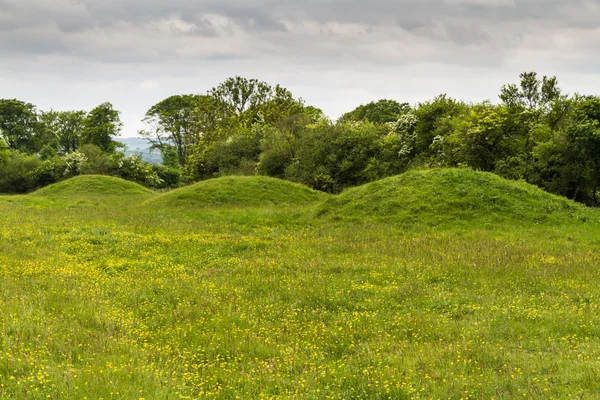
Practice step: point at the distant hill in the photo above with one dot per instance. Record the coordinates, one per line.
(141, 147)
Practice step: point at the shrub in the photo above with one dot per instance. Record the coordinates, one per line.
(170, 177)
(133, 168)
(97, 161)
(17, 173)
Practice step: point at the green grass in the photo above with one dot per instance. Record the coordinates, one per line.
(88, 191)
(294, 299)
(92, 185)
(455, 196)
(245, 191)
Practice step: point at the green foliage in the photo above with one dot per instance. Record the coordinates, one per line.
(227, 110)
(280, 142)
(100, 126)
(64, 129)
(175, 123)
(332, 157)
(51, 171)
(19, 125)
(239, 95)
(533, 93)
(238, 155)
(278, 149)
(430, 117)
(379, 112)
(401, 142)
(480, 138)
(568, 163)
(135, 169)
(18, 172)
(245, 101)
(97, 162)
(4, 151)
(511, 167)
(169, 177)
(248, 127)
(169, 156)
(60, 167)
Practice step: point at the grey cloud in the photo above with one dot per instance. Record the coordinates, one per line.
(354, 42)
(266, 15)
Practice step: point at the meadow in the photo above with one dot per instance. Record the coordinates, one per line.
(439, 284)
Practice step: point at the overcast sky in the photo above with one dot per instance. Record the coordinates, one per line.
(335, 54)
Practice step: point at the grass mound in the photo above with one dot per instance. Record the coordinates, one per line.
(238, 191)
(92, 185)
(436, 196)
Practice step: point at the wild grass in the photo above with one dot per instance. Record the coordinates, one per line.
(238, 191)
(107, 298)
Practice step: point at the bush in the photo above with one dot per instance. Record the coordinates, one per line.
(97, 161)
(333, 157)
(135, 169)
(277, 154)
(17, 173)
(170, 177)
(238, 155)
(51, 171)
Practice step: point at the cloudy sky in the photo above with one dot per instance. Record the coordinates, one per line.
(335, 54)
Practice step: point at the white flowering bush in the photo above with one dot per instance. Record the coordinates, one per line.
(135, 169)
(73, 163)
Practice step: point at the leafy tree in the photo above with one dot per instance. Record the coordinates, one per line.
(175, 123)
(485, 139)
(280, 106)
(100, 126)
(379, 112)
(19, 125)
(239, 95)
(65, 128)
(4, 151)
(242, 102)
(533, 93)
(170, 157)
(402, 139)
(238, 155)
(231, 108)
(429, 118)
(280, 142)
(332, 157)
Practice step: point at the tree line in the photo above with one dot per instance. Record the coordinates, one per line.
(247, 127)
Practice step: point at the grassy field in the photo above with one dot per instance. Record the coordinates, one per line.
(443, 284)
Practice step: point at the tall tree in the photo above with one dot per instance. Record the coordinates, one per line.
(100, 126)
(379, 112)
(65, 127)
(243, 102)
(19, 125)
(176, 122)
(533, 93)
(238, 95)
(430, 116)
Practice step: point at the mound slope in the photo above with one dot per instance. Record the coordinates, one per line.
(238, 191)
(437, 196)
(95, 185)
